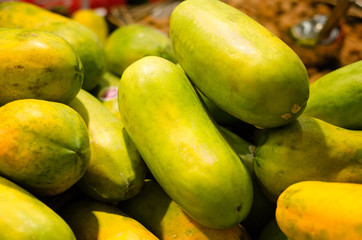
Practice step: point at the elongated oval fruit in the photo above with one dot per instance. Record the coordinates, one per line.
(181, 145)
(238, 64)
(23, 216)
(321, 210)
(85, 43)
(116, 171)
(38, 64)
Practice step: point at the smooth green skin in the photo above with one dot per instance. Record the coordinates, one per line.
(132, 42)
(44, 145)
(24, 217)
(181, 145)
(337, 96)
(37, 64)
(307, 149)
(272, 232)
(262, 209)
(85, 43)
(116, 171)
(238, 64)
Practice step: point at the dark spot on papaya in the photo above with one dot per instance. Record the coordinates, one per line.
(49, 69)
(238, 209)
(19, 67)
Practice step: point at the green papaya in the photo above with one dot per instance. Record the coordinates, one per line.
(37, 64)
(238, 64)
(337, 96)
(90, 219)
(132, 42)
(307, 149)
(23, 216)
(85, 43)
(181, 145)
(272, 232)
(116, 171)
(161, 215)
(44, 145)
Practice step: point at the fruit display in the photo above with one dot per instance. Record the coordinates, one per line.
(210, 131)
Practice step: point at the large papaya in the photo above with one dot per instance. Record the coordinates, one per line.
(181, 145)
(116, 171)
(321, 210)
(337, 96)
(85, 43)
(23, 216)
(44, 145)
(238, 64)
(37, 64)
(161, 215)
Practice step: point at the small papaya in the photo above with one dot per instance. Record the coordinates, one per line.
(272, 232)
(90, 219)
(23, 216)
(161, 215)
(44, 145)
(116, 170)
(85, 43)
(321, 210)
(38, 64)
(238, 64)
(337, 96)
(181, 145)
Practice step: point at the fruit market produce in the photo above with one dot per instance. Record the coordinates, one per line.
(181, 145)
(307, 149)
(23, 216)
(132, 42)
(90, 219)
(85, 43)
(37, 64)
(321, 210)
(337, 96)
(238, 64)
(161, 215)
(95, 22)
(116, 171)
(44, 145)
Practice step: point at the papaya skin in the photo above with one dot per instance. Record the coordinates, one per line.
(307, 149)
(90, 219)
(37, 64)
(23, 216)
(336, 97)
(161, 215)
(321, 210)
(84, 41)
(181, 145)
(44, 145)
(116, 171)
(238, 64)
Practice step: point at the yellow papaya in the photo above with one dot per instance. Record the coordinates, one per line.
(238, 64)
(37, 64)
(85, 43)
(181, 145)
(321, 210)
(44, 145)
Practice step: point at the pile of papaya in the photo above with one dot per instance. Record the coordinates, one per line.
(210, 132)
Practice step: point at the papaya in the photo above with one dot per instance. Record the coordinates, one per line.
(238, 64)
(181, 145)
(91, 219)
(95, 22)
(23, 216)
(37, 64)
(153, 208)
(85, 43)
(307, 149)
(272, 232)
(321, 210)
(44, 145)
(131, 42)
(337, 96)
(116, 171)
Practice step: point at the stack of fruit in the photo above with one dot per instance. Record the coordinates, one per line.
(210, 132)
